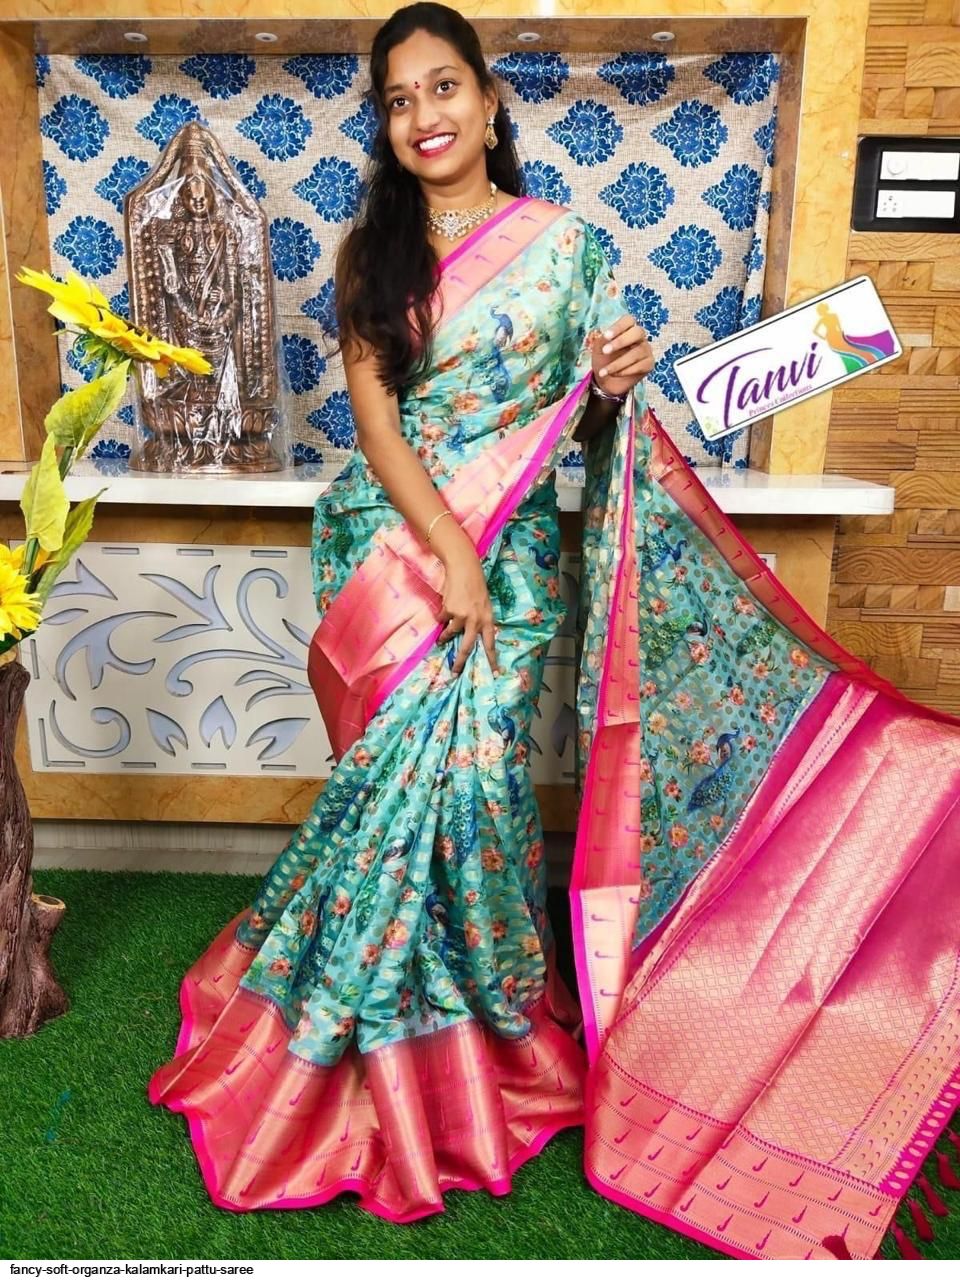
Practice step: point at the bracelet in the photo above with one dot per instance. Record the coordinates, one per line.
(434, 521)
(605, 395)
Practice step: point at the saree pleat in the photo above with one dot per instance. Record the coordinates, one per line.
(461, 1109)
(387, 1018)
(765, 883)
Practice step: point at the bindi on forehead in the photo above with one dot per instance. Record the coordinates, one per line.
(434, 71)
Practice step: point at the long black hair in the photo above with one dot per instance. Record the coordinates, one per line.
(385, 264)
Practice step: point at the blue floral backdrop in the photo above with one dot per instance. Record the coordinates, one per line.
(670, 159)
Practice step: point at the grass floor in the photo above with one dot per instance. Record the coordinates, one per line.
(93, 1171)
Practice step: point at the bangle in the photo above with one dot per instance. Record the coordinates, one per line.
(605, 395)
(434, 521)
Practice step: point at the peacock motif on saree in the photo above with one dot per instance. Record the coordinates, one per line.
(758, 641)
(657, 549)
(667, 637)
(716, 786)
(337, 534)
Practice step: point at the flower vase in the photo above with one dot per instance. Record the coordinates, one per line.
(29, 992)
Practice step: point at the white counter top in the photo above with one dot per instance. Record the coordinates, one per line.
(738, 492)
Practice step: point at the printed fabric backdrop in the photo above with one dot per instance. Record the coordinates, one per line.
(670, 159)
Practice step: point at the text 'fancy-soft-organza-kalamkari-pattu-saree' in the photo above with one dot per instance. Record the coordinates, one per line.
(766, 886)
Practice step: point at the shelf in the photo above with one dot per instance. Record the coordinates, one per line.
(735, 492)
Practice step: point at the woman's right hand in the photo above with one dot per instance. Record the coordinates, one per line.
(467, 608)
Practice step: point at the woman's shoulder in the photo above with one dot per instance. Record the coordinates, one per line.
(563, 215)
(564, 223)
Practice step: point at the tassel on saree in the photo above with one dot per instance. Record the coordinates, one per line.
(906, 1246)
(945, 1170)
(936, 1205)
(920, 1221)
(933, 1200)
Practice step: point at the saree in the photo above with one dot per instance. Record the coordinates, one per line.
(762, 895)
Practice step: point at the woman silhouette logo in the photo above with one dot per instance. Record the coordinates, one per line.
(855, 351)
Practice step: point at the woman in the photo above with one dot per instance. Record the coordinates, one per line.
(387, 1018)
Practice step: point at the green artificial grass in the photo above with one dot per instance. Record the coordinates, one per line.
(92, 1170)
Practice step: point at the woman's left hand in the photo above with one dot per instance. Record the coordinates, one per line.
(621, 356)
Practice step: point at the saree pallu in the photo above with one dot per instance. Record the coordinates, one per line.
(763, 892)
(774, 1040)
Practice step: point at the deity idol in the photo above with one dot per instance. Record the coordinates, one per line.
(199, 263)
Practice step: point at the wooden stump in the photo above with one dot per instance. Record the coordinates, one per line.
(29, 992)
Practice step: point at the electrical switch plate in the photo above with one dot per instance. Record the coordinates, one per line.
(919, 166)
(907, 184)
(903, 202)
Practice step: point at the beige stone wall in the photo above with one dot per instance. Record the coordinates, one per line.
(895, 590)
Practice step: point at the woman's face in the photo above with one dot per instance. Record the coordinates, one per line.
(429, 91)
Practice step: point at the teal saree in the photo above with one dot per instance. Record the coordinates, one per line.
(386, 1017)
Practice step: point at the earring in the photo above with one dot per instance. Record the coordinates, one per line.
(490, 137)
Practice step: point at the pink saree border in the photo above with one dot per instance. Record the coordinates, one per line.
(899, 1180)
(684, 1226)
(476, 236)
(589, 800)
(364, 1187)
(656, 1215)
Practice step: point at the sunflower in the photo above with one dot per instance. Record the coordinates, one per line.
(77, 302)
(19, 608)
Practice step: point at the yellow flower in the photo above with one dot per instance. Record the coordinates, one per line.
(19, 608)
(75, 302)
(82, 304)
(189, 358)
(132, 342)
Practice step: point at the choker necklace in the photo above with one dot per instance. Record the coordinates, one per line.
(454, 223)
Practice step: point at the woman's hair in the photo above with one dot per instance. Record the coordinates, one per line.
(385, 264)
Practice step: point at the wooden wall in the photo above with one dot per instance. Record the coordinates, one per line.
(895, 586)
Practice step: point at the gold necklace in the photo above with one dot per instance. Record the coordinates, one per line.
(454, 223)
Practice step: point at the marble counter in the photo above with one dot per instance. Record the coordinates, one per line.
(748, 492)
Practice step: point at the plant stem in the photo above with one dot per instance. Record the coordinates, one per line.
(28, 558)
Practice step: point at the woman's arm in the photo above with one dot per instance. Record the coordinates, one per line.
(466, 606)
(393, 460)
(597, 416)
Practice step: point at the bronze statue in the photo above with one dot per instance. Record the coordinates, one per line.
(198, 257)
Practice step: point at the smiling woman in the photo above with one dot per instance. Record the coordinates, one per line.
(432, 112)
(400, 953)
(768, 1006)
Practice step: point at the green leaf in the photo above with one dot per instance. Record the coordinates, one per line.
(44, 500)
(9, 641)
(79, 414)
(78, 525)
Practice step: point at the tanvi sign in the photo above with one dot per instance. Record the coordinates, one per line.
(804, 350)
